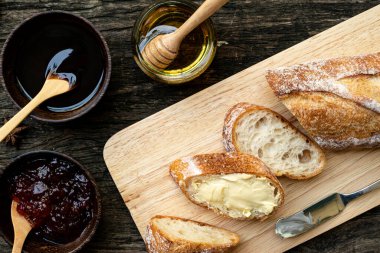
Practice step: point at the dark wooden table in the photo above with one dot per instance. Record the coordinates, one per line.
(254, 31)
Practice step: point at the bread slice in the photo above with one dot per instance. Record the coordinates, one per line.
(238, 186)
(263, 133)
(337, 101)
(173, 234)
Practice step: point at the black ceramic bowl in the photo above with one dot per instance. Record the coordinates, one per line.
(24, 40)
(34, 246)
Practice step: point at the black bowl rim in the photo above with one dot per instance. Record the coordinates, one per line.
(107, 57)
(98, 214)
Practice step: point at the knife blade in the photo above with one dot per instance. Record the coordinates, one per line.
(319, 212)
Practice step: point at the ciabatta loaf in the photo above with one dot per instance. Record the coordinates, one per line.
(239, 186)
(166, 234)
(263, 133)
(337, 101)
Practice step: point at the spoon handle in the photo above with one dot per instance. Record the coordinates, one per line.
(19, 117)
(206, 10)
(51, 88)
(21, 229)
(18, 243)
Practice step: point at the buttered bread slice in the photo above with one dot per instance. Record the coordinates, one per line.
(263, 133)
(173, 234)
(238, 186)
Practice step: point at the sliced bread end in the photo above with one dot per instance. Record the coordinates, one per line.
(174, 234)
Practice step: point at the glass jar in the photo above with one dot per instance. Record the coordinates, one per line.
(196, 52)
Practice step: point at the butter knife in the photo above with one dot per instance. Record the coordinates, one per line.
(318, 212)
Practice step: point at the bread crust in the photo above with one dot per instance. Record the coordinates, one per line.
(157, 241)
(182, 170)
(239, 111)
(345, 124)
(329, 79)
(232, 115)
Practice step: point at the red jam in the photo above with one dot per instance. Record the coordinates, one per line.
(55, 196)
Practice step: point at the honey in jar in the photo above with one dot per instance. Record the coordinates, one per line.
(196, 51)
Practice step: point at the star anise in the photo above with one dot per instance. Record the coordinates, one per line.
(13, 137)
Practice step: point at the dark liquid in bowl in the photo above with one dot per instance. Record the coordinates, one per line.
(85, 62)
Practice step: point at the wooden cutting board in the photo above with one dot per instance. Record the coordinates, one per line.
(138, 156)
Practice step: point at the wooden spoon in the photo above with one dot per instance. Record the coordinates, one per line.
(52, 87)
(163, 49)
(21, 227)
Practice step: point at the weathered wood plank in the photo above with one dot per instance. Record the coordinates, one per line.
(254, 31)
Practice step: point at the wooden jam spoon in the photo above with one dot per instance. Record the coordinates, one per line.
(163, 49)
(57, 85)
(21, 227)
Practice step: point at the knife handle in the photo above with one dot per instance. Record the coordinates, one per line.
(349, 197)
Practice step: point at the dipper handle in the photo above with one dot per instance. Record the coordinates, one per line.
(207, 9)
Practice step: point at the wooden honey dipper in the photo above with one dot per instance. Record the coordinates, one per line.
(163, 49)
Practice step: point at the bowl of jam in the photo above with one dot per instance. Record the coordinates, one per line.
(39, 44)
(196, 52)
(57, 195)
